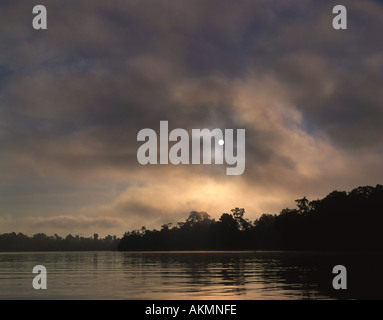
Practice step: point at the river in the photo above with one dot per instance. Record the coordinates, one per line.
(188, 275)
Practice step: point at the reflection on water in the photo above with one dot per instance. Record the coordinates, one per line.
(189, 275)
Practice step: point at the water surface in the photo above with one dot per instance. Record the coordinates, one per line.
(181, 275)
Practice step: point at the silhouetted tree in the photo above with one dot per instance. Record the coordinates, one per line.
(339, 221)
(303, 206)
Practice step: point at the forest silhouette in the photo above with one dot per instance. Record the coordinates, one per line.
(42, 242)
(340, 221)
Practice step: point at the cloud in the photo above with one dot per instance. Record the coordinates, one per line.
(73, 98)
(69, 222)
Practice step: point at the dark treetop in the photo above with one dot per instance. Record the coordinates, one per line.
(339, 222)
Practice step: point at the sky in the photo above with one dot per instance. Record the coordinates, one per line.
(73, 98)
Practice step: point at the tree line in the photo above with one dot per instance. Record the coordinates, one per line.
(341, 221)
(42, 242)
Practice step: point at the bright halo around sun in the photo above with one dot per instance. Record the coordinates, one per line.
(221, 142)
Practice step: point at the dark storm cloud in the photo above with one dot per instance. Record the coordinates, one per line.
(174, 41)
(73, 97)
(334, 77)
